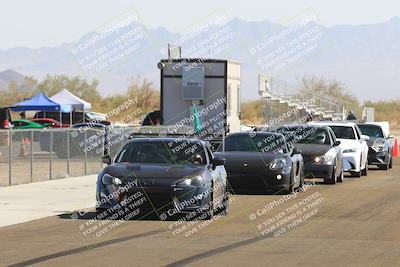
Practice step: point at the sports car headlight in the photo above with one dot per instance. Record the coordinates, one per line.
(109, 180)
(278, 163)
(351, 150)
(325, 159)
(194, 181)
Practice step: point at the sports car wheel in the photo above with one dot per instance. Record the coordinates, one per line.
(391, 162)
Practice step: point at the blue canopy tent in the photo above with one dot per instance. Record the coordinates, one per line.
(38, 102)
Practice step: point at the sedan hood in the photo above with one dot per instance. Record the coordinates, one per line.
(313, 149)
(166, 173)
(372, 140)
(348, 143)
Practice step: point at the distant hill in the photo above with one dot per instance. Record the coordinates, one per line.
(8, 76)
(366, 58)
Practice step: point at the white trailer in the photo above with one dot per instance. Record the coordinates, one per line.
(209, 88)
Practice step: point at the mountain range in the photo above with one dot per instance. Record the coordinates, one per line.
(365, 58)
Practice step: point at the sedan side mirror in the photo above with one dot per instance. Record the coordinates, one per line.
(364, 137)
(337, 143)
(218, 162)
(106, 159)
(296, 151)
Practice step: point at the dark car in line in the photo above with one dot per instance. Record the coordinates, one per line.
(323, 157)
(261, 162)
(380, 146)
(176, 176)
(5, 118)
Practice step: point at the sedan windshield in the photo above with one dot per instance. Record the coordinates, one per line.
(256, 142)
(343, 132)
(371, 130)
(306, 135)
(163, 152)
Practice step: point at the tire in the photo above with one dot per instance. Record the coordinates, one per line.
(341, 177)
(210, 212)
(290, 187)
(332, 179)
(301, 179)
(391, 162)
(364, 172)
(356, 174)
(385, 166)
(225, 204)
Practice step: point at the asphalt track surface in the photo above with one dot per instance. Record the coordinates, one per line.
(356, 223)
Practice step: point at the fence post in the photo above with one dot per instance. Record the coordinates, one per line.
(10, 157)
(85, 140)
(51, 155)
(68, 152)
(32, 155)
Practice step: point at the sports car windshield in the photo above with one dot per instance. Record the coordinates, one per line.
(163, 152)
(306, 135)
(343, 132)
(371, 130)
(256, 142)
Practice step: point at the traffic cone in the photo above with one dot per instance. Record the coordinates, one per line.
(22, 152)
(395, 148)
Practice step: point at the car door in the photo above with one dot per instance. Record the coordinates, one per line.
(297, 160)
(364, 146)
(339, 154)
(219, 176)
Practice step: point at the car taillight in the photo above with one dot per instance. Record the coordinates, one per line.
(6, 124)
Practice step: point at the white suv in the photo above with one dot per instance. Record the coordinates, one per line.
(354, 146)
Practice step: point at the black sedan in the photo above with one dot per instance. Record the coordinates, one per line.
(176, 176)
(261, 161)
(322, 154)
(380, 146)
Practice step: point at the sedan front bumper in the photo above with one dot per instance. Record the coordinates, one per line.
(351, 162)
(155, 198)
(318, 170)
(377, 158)
(255, 181)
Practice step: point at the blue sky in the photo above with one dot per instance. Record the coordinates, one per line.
(52, 22)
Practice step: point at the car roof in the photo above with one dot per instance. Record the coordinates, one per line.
(255, 133)
(325, 127)
(338, 123)
(166, 139)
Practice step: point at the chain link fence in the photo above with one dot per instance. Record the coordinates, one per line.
(35, 155)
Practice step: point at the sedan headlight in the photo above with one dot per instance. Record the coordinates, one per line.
(194, 181)
(378, 145)
(325, 159)
(278, 163)
(351, 150)
(109, 180)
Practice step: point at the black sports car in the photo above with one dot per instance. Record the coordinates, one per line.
(380, 146)
(261, 161)
(322, 154)
(175, 176)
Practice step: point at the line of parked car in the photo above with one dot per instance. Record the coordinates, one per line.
(176, 171)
